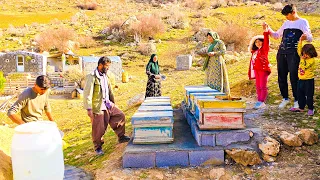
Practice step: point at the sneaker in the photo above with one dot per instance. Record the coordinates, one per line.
(310, 112)
(293, 109)
(296, 104)
(284, 103)
(99, 152)
(123, 139)
(259, 105)
(256, 106)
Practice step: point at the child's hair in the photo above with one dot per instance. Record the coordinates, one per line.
(309, 50)
(288, 9)
(254, 47)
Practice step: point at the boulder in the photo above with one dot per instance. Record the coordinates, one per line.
(290, 139)
(268, 158)
(308, 136)
(270, 146)
(244, 157)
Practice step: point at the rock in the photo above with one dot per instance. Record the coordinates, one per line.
(259, 16)
(220, 174)
(131, 44)
(251, 134)
(147, 48)
(268, 158)
(130, 21)
(183, 62)
(270, 146)
(201, 35)
(116, 178)
(308, 136)
(110, 37)
(290, 139)
(5, 166)
(244, 157)
(199, 45)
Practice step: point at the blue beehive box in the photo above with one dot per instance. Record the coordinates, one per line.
(158, 97)
(196, 89)
(152, 127)
(155, 108)
(156, 103)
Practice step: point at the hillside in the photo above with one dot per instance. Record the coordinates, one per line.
(21, 21)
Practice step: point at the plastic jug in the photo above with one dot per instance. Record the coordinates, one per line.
(125, 77)
(37, 152)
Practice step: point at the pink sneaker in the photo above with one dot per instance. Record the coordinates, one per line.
(293, 109)
(310, 112)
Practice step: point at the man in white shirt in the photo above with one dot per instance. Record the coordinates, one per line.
(287, 56)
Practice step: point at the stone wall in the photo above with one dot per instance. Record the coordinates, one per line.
(34, 63)
(90, 63)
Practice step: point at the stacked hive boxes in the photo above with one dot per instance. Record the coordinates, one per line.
(211, 113)
(153, 122)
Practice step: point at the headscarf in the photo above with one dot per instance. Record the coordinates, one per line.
(153, 67)
(216, 39)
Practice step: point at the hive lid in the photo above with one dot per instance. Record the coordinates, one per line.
(35, 127)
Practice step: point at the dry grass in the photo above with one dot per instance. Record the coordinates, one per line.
(147, 26)
(56, 38)
(232, 33)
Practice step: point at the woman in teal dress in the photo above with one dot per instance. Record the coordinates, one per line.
(214, 65)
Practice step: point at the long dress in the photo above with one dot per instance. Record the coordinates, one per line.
(216, 73)
(153, 86)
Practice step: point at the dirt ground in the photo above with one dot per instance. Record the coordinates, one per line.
(300, 163)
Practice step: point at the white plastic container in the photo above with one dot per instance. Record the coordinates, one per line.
(37, 152)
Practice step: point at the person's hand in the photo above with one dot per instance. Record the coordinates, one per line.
(157, 76)
(265, 26)
(211, 54)
(90, 114)
(303, 37)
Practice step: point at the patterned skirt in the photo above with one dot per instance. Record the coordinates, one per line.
(153, 88)
(216, 75)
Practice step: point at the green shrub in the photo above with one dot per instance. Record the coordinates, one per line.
(2, 81)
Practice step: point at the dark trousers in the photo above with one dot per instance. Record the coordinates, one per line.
(114, 117)
(305, 93)
(288, 63)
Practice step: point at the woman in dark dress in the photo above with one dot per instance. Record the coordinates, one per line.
(154, 77)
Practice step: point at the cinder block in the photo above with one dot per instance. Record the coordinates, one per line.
(208, 140)
(195, 132)
(172, 158)
(135, 160)
(233, 136)
(214, 157)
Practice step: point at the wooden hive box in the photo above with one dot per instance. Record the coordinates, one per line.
(220, 114)
(152, 127)
(196, 89)
(192, 101)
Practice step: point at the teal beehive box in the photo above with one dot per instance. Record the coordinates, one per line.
(152, 127)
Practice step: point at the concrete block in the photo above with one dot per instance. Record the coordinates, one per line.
(210, 157)
(208, 140)
(135, 160)
(233, 136)
(184, 62)
(195, 132)
(172, 158)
